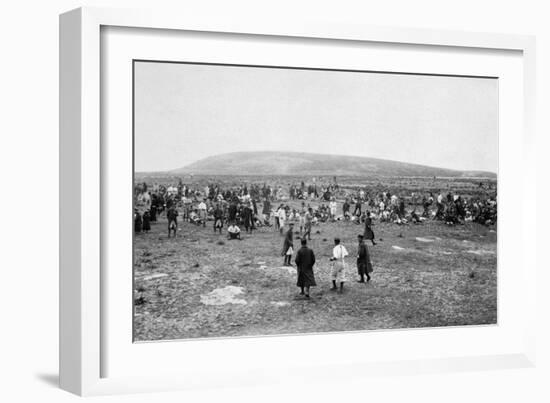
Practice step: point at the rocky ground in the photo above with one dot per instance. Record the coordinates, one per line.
(202, 285)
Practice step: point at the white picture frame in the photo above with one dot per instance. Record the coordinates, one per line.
(83, 306)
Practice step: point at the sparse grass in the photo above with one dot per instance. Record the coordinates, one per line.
(426, 284)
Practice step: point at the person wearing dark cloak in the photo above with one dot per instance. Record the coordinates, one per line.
(146, 222)
(401, 208)
(364, 265)
(288, 245)
(247, 218)
(218, 218)
(369, 233)
(153, 213)
(345, 209)
(137, 221)
(460, 210)
(232, 212)
(172, 215)
(305, 259)
(154, 207)
(169, 202)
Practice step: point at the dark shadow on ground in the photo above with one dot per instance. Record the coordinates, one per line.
(49, 379)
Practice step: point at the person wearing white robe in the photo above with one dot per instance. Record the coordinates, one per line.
(281, 213)
(332, 206)
(338, 272)
(202, 212)
(381, 207)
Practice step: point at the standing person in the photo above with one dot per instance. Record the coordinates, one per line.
(288, 245)
(146, 221)
(277, 223)
(153, 212)
(308, 217)
(369, 233)
(202, 212)
(305, 259)
(440, 207)
(172, 215)
(332, 206)
(345, 209)
(186, 208)
(281, 213)
(401, 208)
(247, 218)
(232, 212)
(302, 221)
(254, 208)
(381, 207)
(358, 205)
(218, 218)
(137, 221)
(338, 274)
(253, 214)
(364, 265)
(266, 210)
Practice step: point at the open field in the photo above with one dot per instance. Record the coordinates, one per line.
(425, 275)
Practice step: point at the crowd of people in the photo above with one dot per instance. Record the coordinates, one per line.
(248, 207)
(251, 206)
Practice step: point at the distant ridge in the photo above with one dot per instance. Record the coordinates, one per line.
(296, 163)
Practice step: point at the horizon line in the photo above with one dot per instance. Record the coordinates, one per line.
(319, 154)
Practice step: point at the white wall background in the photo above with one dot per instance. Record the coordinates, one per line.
(29, 202)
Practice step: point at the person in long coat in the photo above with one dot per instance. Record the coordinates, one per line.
(288, 245)
(137, 221)
(247, 218)
(218, 218)
(172, 215)
(364, 265)
(305, 259)
(232, 211)
(146, 222)
(369, 233)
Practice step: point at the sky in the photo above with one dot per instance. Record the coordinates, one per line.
(186, 112)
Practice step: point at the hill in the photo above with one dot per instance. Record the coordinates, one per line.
(295, 163)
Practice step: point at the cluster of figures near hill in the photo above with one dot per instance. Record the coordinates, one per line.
(238, 206)
(252, 206)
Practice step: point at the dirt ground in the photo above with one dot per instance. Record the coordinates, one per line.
(202, 285)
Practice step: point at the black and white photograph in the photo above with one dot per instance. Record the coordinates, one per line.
(273, 200)
(304, 201)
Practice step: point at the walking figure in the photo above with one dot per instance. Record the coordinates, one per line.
(364, 265)
(288, 246)
(338, 272)
(305, 259)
